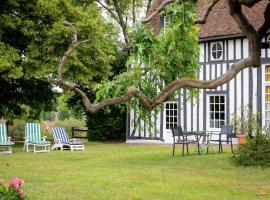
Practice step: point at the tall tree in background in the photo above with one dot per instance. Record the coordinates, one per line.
(125, 12)
(33, 36)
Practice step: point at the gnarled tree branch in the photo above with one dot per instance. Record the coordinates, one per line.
(252, 61)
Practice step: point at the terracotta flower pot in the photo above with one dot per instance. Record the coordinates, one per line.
(241, 139)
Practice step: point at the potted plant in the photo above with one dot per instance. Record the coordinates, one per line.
(246, 124)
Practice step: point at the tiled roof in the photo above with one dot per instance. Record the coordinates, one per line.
(219, 21)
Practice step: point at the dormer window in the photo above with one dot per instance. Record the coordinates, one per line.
(216, 51)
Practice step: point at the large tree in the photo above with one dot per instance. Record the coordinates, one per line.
(148, 42)
(34, 35)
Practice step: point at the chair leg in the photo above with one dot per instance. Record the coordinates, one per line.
(173, 148)
(187, 149)
(231, 146)
(183, 149)
(221, 147)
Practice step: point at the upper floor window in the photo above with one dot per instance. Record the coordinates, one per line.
(216, 51)
(267, 73)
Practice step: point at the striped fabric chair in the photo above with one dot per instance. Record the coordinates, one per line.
(63, 142)
(5, 140)
(33, 137)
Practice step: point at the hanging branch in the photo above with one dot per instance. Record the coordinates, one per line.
(252, 61)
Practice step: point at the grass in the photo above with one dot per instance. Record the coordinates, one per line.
(125, 172)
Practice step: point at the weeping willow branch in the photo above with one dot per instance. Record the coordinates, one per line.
(252, 61)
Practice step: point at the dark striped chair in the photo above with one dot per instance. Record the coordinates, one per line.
(62, 140)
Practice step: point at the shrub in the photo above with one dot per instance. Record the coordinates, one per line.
(11, 190)
(255, 152)
(16, 130)
(105, 125)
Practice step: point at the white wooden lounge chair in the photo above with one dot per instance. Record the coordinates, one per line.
(63, 142)
(33, 138)
(5, 140)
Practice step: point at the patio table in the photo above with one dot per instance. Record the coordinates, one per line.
(198, 135)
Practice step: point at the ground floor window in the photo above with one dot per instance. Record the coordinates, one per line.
(267, 95)
(216, 111)
(267, 106)
(171, 110)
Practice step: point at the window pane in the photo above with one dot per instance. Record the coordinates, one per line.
(212, 124)
(171, 106)
(222, 116)
(267, 89)
(218, 47)
(216, 115)
(222, 99)
(211, 115)
(267, 97)
(175, 105)
(167, 106)
(222, 123)
(216, 99)
(267, 106)
(267, 77)
(222, 107)
(216, 107)
(211, 99)
(219, 53)
(212, 107)
(171, 112)
(267, 69)
(216, 124)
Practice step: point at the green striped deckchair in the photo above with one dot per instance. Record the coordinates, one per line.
(33, 137)
(5, 140)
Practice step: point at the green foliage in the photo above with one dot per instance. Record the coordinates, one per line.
(166, 57)
(106, 125)
(255, 152)
(25, 98)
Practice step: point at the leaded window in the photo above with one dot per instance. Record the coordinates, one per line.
(216, 51)
(171, 114)
(216, 111)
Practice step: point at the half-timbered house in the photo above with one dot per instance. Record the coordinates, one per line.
(221, 44)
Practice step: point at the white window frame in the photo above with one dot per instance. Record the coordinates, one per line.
(208, 111)
(222, 51)
(171, 116)
(266, 83)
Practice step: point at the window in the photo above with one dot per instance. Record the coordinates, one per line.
(171, 115)
(267, 95)
(216, 51)
(167, 19)
(216, 111)
(267, 105)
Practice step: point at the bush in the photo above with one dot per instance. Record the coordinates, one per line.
(255, 152)
(11, 190)
(16, 130)
(104, 125)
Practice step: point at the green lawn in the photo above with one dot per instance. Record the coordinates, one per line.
(120, 171)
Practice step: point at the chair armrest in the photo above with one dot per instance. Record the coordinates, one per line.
(44, 138)
(9, 139)
(25, 138)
